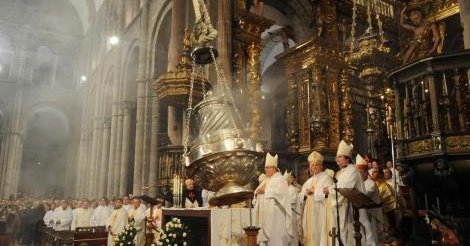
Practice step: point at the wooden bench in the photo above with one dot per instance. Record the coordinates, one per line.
(90, 236)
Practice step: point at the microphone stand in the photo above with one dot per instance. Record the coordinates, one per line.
(337, 233)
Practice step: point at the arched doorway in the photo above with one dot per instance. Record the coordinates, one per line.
(44, 159)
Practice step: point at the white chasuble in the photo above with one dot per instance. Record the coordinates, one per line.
(295, 204)
(101, 215)
(138, 215)
(349, 177)
(275, 213)
(116, 224)
(317, 217)
(82, 218)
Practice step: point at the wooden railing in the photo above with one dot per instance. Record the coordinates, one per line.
(433, 106)
(169, 163)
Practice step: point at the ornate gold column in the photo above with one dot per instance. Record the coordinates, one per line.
(247, 55)
(254, 89)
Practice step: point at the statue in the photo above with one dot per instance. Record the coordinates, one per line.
(426, 37)
(203, 31)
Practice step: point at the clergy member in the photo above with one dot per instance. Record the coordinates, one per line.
(274, 215)
(375, 230)
(63, 217)
(387, 196)
(347, 177)
(295, 204)
(192, 197)
(137, 215)
(154, 218)
(116, 222)
(101, 213)
(82, 216)
(316, 219)
(49, 216)
(126, 203)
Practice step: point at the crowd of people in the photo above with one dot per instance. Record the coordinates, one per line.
(25, 218)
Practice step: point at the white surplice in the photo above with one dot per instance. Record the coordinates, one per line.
(49, 218)
(101, 215)
(62, 219)
(349, 177)
(115, 224)
(275, 212)
(82, 218)
(295, 204)
(316, 219)
(139, 221)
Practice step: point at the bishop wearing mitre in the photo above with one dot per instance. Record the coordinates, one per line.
(316, 219)
(116, 222)
(273, 211)
(347, 177)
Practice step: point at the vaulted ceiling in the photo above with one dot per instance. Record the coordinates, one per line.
(86, 9)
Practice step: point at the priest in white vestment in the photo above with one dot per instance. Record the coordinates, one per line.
(101, 213)
(347, 177)
(116, 222)
(274, 214)
(375, 215)
(126, 203)
(49, 216)
(137, 214)
(317, 217)
(295, 204)
(63, 217)
(154, 218)
(82, 216)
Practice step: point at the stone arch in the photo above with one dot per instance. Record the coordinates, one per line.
(43, 66)
(164, 13)
(6, 56)
(44, 157)
(131, 67)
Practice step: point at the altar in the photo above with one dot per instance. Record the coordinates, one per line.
(216, 227)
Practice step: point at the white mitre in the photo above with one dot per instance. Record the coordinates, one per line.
(315, 158)
(344, 149)
(287, 175)
(271, 161)
(360, 160)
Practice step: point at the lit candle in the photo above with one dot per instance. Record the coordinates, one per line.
(426, 201)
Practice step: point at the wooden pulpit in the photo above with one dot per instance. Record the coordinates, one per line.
(358, 201)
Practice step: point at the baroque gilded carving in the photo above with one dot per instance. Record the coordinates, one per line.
(458, 143)
(419, 147)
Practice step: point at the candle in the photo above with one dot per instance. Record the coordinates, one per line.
(438, 206)
(426, 201)
(251, 223)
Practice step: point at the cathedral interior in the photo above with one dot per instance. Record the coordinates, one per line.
(94, 93)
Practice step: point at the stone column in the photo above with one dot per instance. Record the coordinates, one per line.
(177, 32)
(224, 37)
(141, 97)
(147, 135)
(118, 153)
(465, 19)
(94, 147)
(14, 136)
(81, 153)
(112, 152)
(153, 149)
(254, 89)
(127, 119)
(103, 172)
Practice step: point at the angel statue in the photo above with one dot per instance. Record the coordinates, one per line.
(203, 31)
